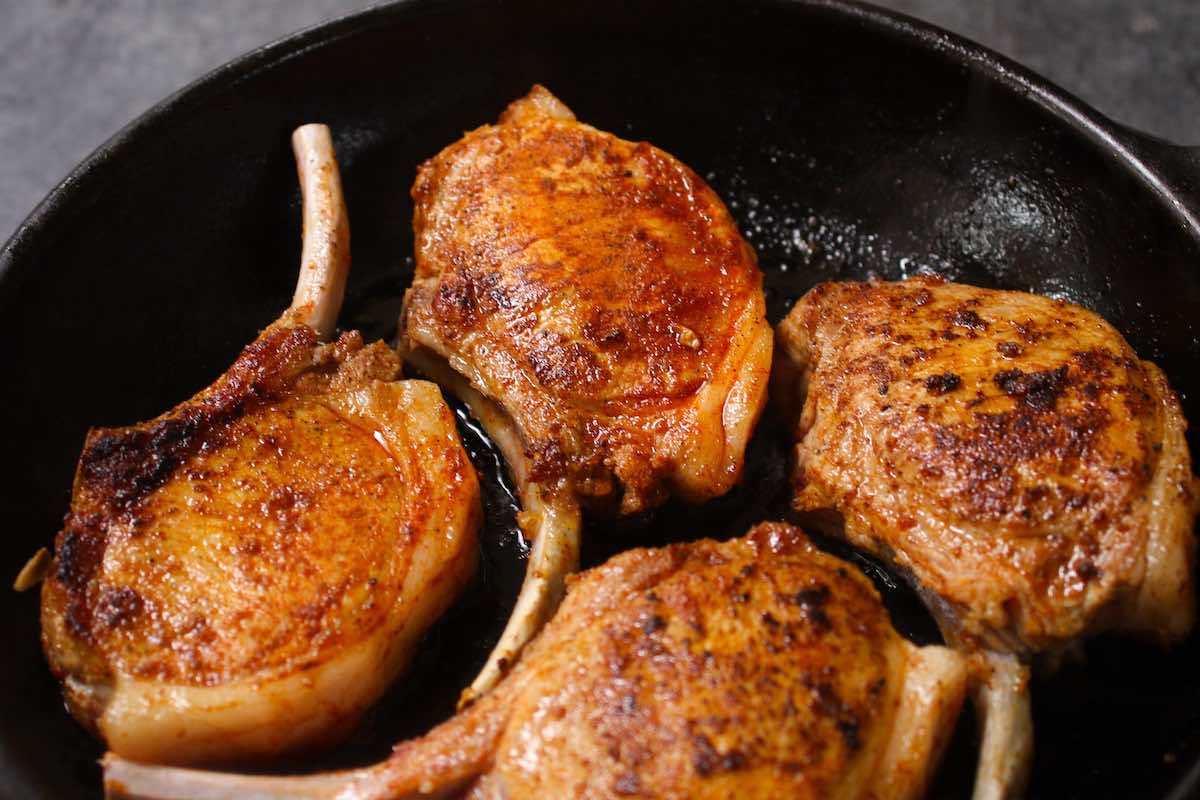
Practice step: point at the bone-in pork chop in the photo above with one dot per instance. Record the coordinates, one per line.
(245, 574)
(592, 301)
(1011, 454)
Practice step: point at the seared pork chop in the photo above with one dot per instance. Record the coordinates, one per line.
(245, 574)
(1011, 454)
(593, 302)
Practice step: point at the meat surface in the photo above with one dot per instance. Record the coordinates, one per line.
(593, 302)
(598, 291)
(755, 668)
(1010, 453)
(245, 574)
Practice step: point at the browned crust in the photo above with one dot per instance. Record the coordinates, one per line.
(757, 668)
(119, 466)
(592, 286)
(1013, 441)
(790, 645)
(120, 470)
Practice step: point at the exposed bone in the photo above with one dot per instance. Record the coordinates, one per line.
(318, 702)
(437, 765)
(319, 294)
(551, 520)
(128, 780)
(325, 256)
(1002, 703)
(1000, 694)
(935, 683)
(1006, 721)
(324, 262)
(34, 571)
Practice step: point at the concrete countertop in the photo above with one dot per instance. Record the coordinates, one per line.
(72, 72)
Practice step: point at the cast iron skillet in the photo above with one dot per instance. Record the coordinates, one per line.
(848, 141)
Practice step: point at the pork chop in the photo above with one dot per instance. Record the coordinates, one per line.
(245, 574)
(592, 301)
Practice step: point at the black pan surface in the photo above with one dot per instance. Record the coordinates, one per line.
(847, 141)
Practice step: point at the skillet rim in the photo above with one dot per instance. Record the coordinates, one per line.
(1134, 149)
(1168, 171)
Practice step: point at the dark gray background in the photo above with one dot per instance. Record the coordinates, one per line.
(72, 72)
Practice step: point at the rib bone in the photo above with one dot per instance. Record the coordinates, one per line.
(1006, 751)
(550, 519)
(325, 257)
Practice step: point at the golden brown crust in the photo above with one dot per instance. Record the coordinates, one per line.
(191, 537)
(758, 668)
(592, 286)
(755, 668)
(999, 445)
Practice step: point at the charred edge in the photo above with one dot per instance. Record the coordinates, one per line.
(708, 760)
(80, 545)
(1037, 390)
(966, 318)
(812, 603)
(118, 468)
(124, 465)
(80, 550)
(942, 384)
(828, 704)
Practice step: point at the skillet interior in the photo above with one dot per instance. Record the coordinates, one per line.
(844, 146)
